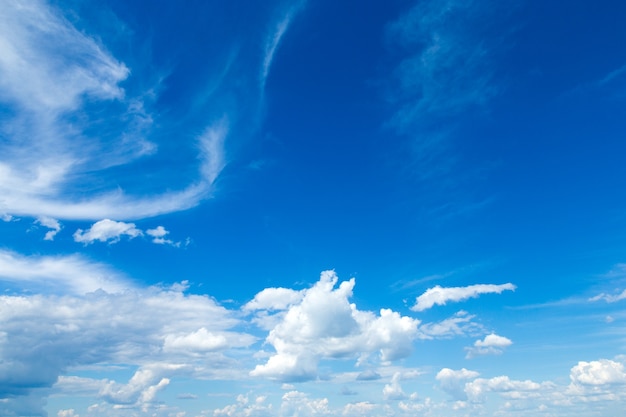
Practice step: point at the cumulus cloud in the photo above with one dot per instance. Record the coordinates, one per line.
(492, 344)
(600, 372)
(453, 382)
(441, 295)
(324, 324)
(296, 403)
(393, 391)
(477, 389)
(245, 407)
(107, 230)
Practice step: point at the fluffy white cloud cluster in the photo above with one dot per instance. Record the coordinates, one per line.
(492, 344)
(111, 231)
(440, 296)
(321, 323)
(601, 372)
(106, 230)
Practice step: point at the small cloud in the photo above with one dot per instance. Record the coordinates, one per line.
(107, 230)
(347, 391)
(288, 387)
(440, 296)
(6, 217)
(609, 319)
(50, 223)
(609, 298)
(368, 375)
(491, 345)
(393, 390)
(158, 236)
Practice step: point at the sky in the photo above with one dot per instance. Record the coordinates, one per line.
(312, 208)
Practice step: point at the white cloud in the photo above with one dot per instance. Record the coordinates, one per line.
(296, 403)
(601, 372)
(477, 389)
(274, 299)
(162, 330)
(362, 408)
(441, 295)
(158, 236)
(492, 344)
(609, 298)
(73, 273)
(453, 382)
(393, 390)
(324, 324)
(49, 72)
(274, 40)
(459, 324)
(52, 224)
(67, 413)
(107, 230)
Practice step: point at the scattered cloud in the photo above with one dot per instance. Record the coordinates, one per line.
(492, 344)
(609, 298)
(158, 236)
(52, 224)
(107, 230)
(441, 295)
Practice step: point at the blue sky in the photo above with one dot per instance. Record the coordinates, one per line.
(298, 208)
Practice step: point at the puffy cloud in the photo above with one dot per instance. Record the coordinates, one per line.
(478, 388)
(453, 382)
(158, 236)
(362, 408)
(274, 299)
(50, 223)
(296, 403)
(492, 344)
(393, 390)
(74, 273)
(440, 296)
(246, 408)
(106, 230)
(324, 324)
(600, 372)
